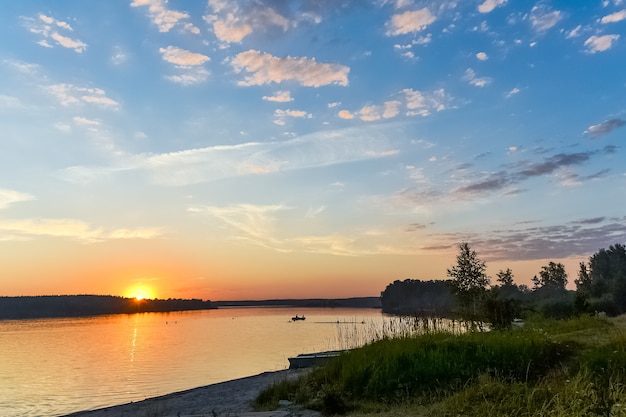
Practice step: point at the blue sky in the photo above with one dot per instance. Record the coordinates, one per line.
(212, 148)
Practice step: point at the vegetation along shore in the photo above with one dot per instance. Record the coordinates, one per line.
(566, 358)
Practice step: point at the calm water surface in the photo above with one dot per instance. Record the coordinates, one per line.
(51, 367)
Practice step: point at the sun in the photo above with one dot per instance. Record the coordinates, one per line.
(141, 292)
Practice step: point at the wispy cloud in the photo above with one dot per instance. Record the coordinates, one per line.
(166, 19)
(73, 229)
(253, 223)
(525, 170)
(410, 102)
(9, 197)
(543, 18)
(217, 162)
(471, 77)
(556, 241)
(49, 28)
(280, 115)
(409, 22)
(264, 68)
(600, 43)
(512, 92)
(604, 128)
(10, 102)
(68, 94)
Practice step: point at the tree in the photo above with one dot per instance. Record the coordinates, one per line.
(583, 282)
(469, 280)
(505, 278)
(552, 278)
(607, 279)
(413, 296)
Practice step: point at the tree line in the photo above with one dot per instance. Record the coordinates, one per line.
(90, 305)
(469, 293)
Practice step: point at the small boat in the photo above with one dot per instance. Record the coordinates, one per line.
(307, 360)
(296, 318)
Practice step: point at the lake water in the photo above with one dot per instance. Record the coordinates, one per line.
(51, 367)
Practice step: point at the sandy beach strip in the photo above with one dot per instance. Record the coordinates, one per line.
(230, 398)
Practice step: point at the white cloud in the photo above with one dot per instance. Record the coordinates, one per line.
(345, 114)
(79, 120)
(22, 67)
(281, 115)
(265, 69)
(182, 57)
(423, 103)
(574, 32)
(69, 43)
(68, 94)
(488, 5)
(391, 109)
(47, 26)
(189, 75)
(334, 104)
(470, 77)
(73, 229)
(164, 18)
(614, 17)
(482, 56)
(422, 40)
(233, 21)
(600, 43)
(187, 63)
(409, 22)
(119, 56)
(542, 18)
(9, 197)
(513, 91)
(230, 30)
(388, 110)
(63, 127)
(279, 97)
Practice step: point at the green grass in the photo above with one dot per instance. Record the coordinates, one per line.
(573, 367)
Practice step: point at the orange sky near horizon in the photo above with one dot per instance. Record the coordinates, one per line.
(170, 271)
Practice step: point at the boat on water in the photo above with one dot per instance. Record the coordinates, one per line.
(296, 318)
(307, 360)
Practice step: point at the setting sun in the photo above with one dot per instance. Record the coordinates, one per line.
(141, 292)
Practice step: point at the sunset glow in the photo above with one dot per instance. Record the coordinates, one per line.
(141, 293)
(258, 149)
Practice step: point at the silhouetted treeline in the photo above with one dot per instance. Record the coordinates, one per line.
(354, 302)
(90, 305)
(413, 296)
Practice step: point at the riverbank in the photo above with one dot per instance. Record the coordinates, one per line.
(230, 398)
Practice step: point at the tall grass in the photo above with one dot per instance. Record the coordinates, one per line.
(548, 368)
(356, 334)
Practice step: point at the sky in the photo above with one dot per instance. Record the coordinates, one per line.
(256, 149)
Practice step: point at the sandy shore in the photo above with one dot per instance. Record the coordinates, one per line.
(230, 398)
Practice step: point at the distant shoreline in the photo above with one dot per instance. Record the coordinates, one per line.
(64, 306)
